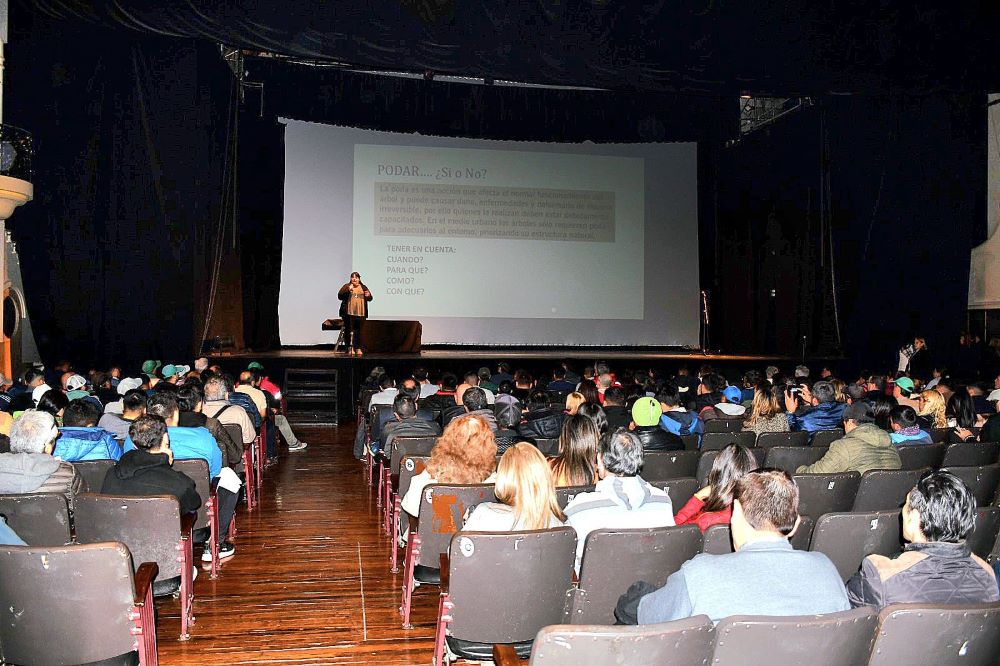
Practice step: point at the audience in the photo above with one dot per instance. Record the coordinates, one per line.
(526, 496)
(576, 464)
(614, 408)
(932, 411)
(729, 407)
(765, 576)
(540, 421)
(621, 499)
(864, 446)
(936, 566)
(713, 504)
(508, 418)
(30, 467)
(595, 413)
(675, 418)
(190, 400)
(217, 406)
(406, 423)
(133, 406)
(573, 402)
(473, 402)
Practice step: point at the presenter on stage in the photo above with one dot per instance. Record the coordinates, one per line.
(354, 297)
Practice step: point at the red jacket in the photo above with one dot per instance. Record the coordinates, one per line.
(692, 514)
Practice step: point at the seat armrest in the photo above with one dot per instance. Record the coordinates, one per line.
(445, 564)
(412, 524)
(505, 655)
(144, 577)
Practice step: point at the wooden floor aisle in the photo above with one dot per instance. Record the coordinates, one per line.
(310, 581)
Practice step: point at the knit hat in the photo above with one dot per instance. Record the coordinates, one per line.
(646, 412)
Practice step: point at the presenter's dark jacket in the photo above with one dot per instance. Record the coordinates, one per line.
(345, 295)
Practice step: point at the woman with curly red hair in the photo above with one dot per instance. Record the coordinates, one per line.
(465, 453)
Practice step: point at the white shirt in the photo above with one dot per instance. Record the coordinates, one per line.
(497, 517)
(427, 390)
(620, 502)
(384, 397)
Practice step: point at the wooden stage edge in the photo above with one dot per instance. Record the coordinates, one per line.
(326, 352)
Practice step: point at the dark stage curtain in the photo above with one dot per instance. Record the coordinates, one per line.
(685, 45)
(906, 197)
(130, 137)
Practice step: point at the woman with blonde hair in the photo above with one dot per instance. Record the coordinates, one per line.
(932, 412)
(838, 390)
(465, 453)
(766, 413)
(576, 464)
(525, 492)
(573, 402)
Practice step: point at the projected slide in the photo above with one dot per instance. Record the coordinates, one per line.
(491, 242)
(423, 215)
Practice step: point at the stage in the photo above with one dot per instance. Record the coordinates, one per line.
(350, 371)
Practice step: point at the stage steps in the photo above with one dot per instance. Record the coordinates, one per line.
(311, 396)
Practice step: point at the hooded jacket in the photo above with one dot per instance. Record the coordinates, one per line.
(543, 423)
(142, 473)
(864, 448)
(38, 473)
(681, 423)
(76, 444)
(824, 416)
(723, 410)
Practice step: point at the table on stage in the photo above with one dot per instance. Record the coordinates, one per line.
(385, 336)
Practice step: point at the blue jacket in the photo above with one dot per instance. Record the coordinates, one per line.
(681, 423)
(899, 439)
(76, 444)
(191, 443)
(824, 416)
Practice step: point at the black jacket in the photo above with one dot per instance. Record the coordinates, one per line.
(655, 438)
(141, 473)
(618, 417)
(541, 423)
(344, 294)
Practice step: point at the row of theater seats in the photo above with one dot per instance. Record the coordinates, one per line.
(846, 516)
(130, 548)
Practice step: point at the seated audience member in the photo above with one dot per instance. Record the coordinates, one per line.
(905, 430)
(573, 402)
(508, 418)
(405, 423)
(540, 421)
(272, 406)
(588, 389)
(53, 402)
(645, 424)
(190, 400)
(387, 391)
(765, 576)
(882, 407)
(980, 405)
(174, 374)
(766, 413)
(444, 397)
(864, 446)
(991, 429)
(576, 464)
(905, 392)
(410, 387)
(194, 443)
(559, 382)
(473, 402)
(505, 394)
(218, 407)
(465, 453)
(713, 504)
(502, 374)
(523, 384)
(133, 406)
(526, 496)
(241, 400)
(962, 417)
(621, 499)
(7, 536)
(595, 413)
(249, 383)
(146, 469)
(614, 408)
(21, 393)
(486, 382)
(124, 386)
(936, 566)
(675, 418)
(708, 393)
(932, 411)
(826, 413)
(427, 389)
(470, 380)
(729, 407)
(81, 439)
(30, 467)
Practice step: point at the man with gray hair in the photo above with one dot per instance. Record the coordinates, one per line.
(621, 499)
(30, 467)
(217, 406)
(201, 364)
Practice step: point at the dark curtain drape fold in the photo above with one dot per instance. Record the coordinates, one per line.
(129, 132)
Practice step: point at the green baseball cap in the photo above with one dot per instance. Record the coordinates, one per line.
(905, 383)
(254, 365)
(150, 367)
